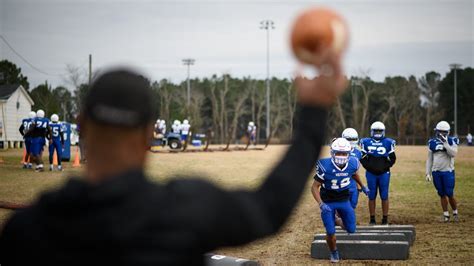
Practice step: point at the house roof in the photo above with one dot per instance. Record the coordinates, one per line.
(7, 90)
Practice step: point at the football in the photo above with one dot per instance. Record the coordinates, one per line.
(316, 32)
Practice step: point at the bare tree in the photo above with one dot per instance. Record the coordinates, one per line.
(429, 88)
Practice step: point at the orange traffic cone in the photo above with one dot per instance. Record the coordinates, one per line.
(77, 162)
(1, 160)
(55, 158)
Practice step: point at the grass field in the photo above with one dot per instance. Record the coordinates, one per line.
(413, 201)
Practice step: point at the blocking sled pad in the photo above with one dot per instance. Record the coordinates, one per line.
(368, 236)
(395, 227)
(363, 250)
(409, 234)
(221, 260)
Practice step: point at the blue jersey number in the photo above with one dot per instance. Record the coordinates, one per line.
(344, 183)
(379, 150)
(55, 132)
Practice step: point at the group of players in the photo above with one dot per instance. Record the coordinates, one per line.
(337, 183)
(36, 129)
(184, 129)
(177, 127)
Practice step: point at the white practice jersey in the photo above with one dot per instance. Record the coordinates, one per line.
(185, 129)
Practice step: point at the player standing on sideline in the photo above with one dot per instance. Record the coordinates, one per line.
(252, 132)
(331, 190)
(176, 127)
(162, 127)
(469, 139)
(39, 130)
(378, 155)
(56, 141)
(353, 137)
(185, 130)
(440, 163)
(24, 127)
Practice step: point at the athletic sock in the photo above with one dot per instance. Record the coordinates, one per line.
(455, 212)
(446, 213)
(385, 219)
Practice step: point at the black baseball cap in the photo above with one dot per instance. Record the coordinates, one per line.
(119, 97)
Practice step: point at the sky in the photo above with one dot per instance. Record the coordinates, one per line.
(388, 38)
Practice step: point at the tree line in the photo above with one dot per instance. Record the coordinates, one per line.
(408, 106)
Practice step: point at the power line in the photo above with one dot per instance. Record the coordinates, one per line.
(24, 59)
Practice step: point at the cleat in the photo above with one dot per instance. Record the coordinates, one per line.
(60, 168)
(455, 218)
(25, 166)
(446, 218)
(384, 222)
(30, 166)
(51, 168)
(334, 258)
(372, 222)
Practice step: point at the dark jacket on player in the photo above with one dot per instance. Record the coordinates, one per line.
(129, 220)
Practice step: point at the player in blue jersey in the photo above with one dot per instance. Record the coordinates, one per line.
(378, 156)
(24, 127)
(353, 137)
(440, 164)
(56, 141)
(331, 190)
(39, 131)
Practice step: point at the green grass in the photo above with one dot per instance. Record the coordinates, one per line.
(412, 201)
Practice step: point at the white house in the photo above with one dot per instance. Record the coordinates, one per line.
(15, 104)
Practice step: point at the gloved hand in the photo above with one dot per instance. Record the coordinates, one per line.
(365, 190)
(443, 138)
(324, 207)
(428, 178)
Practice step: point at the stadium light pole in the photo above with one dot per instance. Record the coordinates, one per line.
(188, 62)
(268, 25)
(455, 68)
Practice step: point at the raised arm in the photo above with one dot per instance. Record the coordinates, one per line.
(451, 150)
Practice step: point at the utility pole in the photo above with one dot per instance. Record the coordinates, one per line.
(188, 62)
(90, 69)
(268, 25)
(455, 68)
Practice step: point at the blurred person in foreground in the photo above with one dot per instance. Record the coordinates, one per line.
(114, 215)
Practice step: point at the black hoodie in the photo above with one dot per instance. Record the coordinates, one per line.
(128, 220)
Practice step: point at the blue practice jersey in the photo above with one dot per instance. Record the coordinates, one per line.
(378, 148)
(26, 123)
(41, 127)
(436, 145)
(56, 131)
(356, 153)
(335, 182)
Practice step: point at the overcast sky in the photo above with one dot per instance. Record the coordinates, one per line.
(401, 37)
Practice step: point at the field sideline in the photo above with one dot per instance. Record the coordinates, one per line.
(413, 200)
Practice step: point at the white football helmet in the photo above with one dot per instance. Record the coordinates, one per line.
(442, 129)
(32, 114)
(55, 118)
(176, 122)
(40, 113)
(158, 121)
(251, 123)
(352, 136)
(162, 122)
(186, 122)
(340, 151)
(377, 130)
